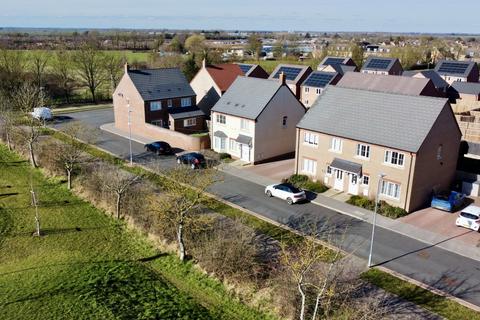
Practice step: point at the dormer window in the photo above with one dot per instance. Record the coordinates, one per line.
(186, 102)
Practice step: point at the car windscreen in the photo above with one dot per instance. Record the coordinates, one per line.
(469, 216)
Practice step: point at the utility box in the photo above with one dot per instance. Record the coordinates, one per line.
(471, 189)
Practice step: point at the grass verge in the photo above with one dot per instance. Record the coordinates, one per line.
(440, 305)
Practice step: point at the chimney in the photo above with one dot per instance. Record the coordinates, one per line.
(282, 78)
(127, 67)
(204, 63)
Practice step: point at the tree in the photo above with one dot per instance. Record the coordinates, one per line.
(278, 49)
(26, 99)
(12, 70)
(190, 67)
(62, 69)
(7, 119)
(176, 45)
(255, 45)
(113, 67)
(357, 55)
(38, 63)
(184, 193)
(195, 44)
(90, 64)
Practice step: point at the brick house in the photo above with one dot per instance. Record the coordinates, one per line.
(255, 120)
(452, 70)
(381, 65)
(158, 97)
(440, 84)
(466, 91)
(314, 85)
(295, 75)
(340, 65)
(349, 137)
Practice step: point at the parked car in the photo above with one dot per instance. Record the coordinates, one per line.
(159, 147)
(469, 218)
(448, 201)
(42, 113)
(285, 191)
(194, 159)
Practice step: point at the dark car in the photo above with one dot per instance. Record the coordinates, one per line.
(159, 147)
(193, 159)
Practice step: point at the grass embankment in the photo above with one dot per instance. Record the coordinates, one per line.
(87, 265)
(426, 299)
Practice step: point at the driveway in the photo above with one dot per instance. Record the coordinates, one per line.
(276, 170)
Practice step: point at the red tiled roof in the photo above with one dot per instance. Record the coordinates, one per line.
(224, 74)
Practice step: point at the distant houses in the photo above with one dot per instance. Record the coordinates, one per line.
(462, 71)
(381, 65)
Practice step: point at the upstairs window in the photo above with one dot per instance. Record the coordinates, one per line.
(186, 102)
(394, 157)
(169, 103)
(284, 121)
(244, 124)
(336, 145)
(440, 152)
(310, 138)
(307, 89)
(221, 118)
(363, 150)
(155, 105)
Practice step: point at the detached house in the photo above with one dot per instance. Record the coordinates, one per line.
(340, 65)
(314, 85)
(380, 65)
(255, 120)
(452, 70)
(211, 81)
(349, 137)
(295, 75)
(440, 84)
(466, 91)
(158, 97)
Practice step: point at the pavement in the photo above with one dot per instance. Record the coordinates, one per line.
(408, 250)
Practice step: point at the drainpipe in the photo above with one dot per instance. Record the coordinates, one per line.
(408, 181)
(296, 151)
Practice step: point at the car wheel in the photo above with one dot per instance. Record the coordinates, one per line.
(179, 161)
(269, 193)
(289, 201)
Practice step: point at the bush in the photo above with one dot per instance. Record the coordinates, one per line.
(384, 208)
(224, 156)
(304, 182)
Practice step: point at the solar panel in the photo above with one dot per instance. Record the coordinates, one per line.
(245, 67)
(378, 64)
(453, 67)
(332, 61)
(319, 80)
(291, 73)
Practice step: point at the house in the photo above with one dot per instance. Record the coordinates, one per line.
(466, 91)
(158, 97)
(380, 65)
(341, 65)
(451, 71)
(255, 120)
(440, 84)
(314, 85)
(295, 76)
(389, 84)
(349, 137)
(211, 81)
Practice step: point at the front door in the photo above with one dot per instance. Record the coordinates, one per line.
(353, 184)
(338, 184)
(245, 152)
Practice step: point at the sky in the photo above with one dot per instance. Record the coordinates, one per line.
(425, 16)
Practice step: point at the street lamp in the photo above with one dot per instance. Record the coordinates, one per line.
(130, 131)
(380, 178)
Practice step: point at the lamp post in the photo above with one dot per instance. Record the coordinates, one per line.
(380, 178)
(130, 131)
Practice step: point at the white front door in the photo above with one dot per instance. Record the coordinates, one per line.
(353, 184)
(245, 152)
(338, 184)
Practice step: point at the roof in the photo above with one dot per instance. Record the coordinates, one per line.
(379, 63)
(319, 79)
(185, 112)
(455, 68)
(466, 87)
(293, 72)
(247, 97)
(157, 84)
(224, 74)
(472, 209)
(346, 165)
(383, 83)
(244, 139)
(374, 117)
(331, 60)
(431, 74)
(339, 68)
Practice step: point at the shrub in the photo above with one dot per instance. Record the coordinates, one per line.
(384, 208)
(304, 182)
(224, 156)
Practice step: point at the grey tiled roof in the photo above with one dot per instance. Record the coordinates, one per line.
(247, 97)
(165, 83)
(430, 74)
(346, 165)
(466, 87)
(468, 69)
(391, 120)
(389, 66)
(185, 112)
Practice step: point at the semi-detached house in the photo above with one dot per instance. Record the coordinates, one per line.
(349, 137)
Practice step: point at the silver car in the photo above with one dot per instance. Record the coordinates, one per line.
(469, 218)
(286, 191)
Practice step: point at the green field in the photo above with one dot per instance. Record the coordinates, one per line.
(132, 56)
(87, 265)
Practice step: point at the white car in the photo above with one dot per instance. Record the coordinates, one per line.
(285, 191)
(42, 113)
(469, 218)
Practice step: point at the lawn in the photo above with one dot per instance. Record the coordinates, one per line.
(87, 265)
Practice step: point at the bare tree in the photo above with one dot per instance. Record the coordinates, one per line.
(35, 205)
(38, 63)
(62, 68)
(7, 119)
(184, 193)
(89, 63)
(26, 99)
(113, 67)
(12, 70)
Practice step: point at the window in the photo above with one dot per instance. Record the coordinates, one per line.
(155, 105)
(336, 145)
(219, 143)
(329, 171)
(186, 102)
(310, 138)
(169, 103)
(306, 101)
(233, 145)
(439, 152)
(157, 123)
(394, 157)
(307, 89)
(309, 166)
(319, 90)
(244, 124)
(363, 150)
(189, 122)
(390, 189)
(284, 121)
(221, 118)
(365, 180)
